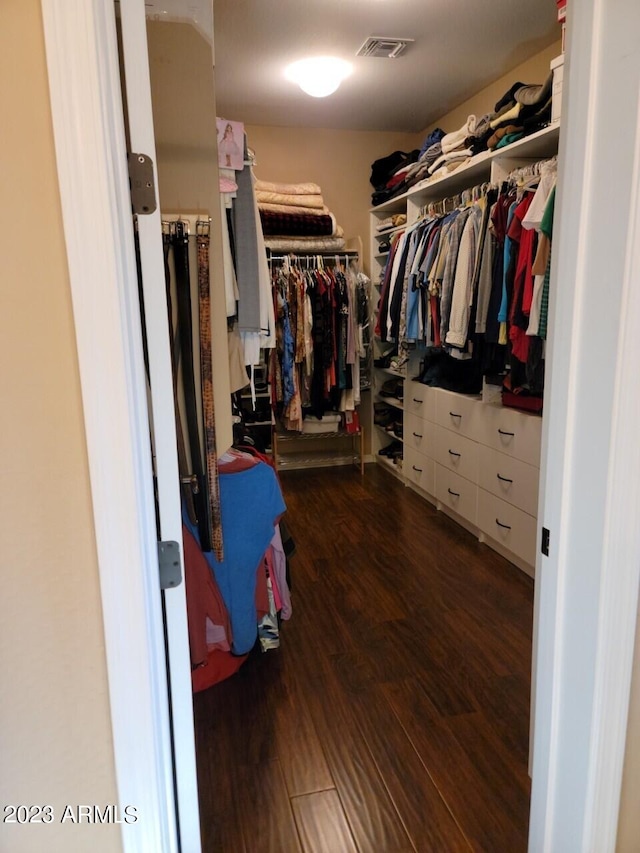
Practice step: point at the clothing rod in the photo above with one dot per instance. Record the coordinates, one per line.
(343, 254)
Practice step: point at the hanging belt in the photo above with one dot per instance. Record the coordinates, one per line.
(188, 482)
(183, 283)
(206, 380)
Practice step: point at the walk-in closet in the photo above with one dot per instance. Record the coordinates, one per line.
(358, 296)
(337, 474)
(360, 426)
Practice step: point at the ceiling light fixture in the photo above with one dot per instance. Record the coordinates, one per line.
(318, 76)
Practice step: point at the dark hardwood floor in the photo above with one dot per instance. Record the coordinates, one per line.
(395, 715)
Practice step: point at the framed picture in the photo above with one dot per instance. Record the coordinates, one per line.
(230, 144)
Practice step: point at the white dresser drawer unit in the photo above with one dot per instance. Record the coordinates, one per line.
(459, 413)
(420, 400)
(514, 433)
(419, 470)
(419, 434)
(457, 453)
(457, 494)
(510, 479)
(512, 528)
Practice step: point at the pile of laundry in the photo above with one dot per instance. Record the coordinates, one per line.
(521, 111)
(295, 218)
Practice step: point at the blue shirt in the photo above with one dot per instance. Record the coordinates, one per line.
(250, 502)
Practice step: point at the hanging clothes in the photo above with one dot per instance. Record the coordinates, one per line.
(322, 335)
(470, 283)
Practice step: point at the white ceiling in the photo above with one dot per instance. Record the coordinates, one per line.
(460, 46)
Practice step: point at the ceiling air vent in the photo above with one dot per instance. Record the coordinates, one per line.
(387, 48)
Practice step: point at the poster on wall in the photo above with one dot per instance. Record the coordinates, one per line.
(230, 144)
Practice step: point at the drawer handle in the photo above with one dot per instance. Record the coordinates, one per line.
(500, 524)
(419, 470)
(417, 435)
(454, 415)
(453, 453)
(455, 494)
(504, 479)
(502, 432)
(415, 400)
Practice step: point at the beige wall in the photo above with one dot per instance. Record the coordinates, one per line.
(184, 113)
(55, 730)
(534, 70)
(338, 160)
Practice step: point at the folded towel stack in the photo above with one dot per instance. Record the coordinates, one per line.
(295, 218)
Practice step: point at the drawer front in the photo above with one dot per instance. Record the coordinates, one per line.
(419, 469)
(457, 453)
(508, 525)
(420, 400)
(458, 494)
(508, 478)
(419, 434)
(515, 433)
(461, 414)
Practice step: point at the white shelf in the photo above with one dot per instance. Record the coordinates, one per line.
(394, 205)
(493, 166)
(543, 143)
(392, 401)
(390, 466)
(390, 372)
(391, 435)
(388, 231)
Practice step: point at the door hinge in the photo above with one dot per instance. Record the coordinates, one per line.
(169, 565)
(142, 184)
(544, 547)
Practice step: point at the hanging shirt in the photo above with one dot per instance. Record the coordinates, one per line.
(251, 504)
(454, 238)
(462, 289)
(523, 281)
(546, 228)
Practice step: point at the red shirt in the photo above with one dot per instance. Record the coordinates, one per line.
(523, 282)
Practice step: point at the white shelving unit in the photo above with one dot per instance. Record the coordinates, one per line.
(485, 476)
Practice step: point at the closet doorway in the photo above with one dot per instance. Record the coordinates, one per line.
(581, 703)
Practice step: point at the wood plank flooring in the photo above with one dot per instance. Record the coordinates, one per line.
(395, 715)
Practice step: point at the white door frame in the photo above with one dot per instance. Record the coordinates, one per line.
(579, 597)
(587, 589)
(142, 139)
(88, 123)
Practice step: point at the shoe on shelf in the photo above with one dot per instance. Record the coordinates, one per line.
(390, 449)
(383, 414)
(397, 362)
(384, 421)
(391, 388)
